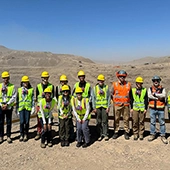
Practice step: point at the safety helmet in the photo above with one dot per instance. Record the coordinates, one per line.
(65, 87)
(63, 78)
(156, 78)
(121, 73)
(25, 79)
(47, 90)
(139, 80)
(81, 73)
(44, 74)
(78, 90)
(101, 77)
(5, 74)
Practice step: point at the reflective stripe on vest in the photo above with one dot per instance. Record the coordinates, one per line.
(10, 88)
(66, 109)
(40, 90)
(82, 112)
(101, 99)
(139, 101)
(47, 111)
(25, 103)
(85, 94)
(121, 93)
(156, 104)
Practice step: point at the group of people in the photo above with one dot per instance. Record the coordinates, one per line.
(81, 102)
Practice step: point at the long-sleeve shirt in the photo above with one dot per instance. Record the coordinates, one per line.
(156, 96)
(87, 111)
(94, 98)
(132, 100)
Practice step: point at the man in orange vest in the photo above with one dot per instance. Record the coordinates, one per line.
(157, 95)
(121, 101)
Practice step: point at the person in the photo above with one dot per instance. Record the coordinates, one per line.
(85, 86)
(168, 104)
(65, 115)
(139, 105)
(39, 95)
(81, 109)
(63, 81)
(101, 105)
(25, 106)
(47, 106)
(121, 101)
(7, 101)
(157, 95)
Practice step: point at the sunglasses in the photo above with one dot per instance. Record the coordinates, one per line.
(122, 76)
(156, 81)
(65, 91)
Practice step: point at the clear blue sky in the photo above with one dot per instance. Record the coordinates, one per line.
(96, 29)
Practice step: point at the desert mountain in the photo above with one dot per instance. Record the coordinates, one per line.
(20, 63)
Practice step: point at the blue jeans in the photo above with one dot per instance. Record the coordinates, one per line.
(8, 114)
(24, 121)
(161, 119)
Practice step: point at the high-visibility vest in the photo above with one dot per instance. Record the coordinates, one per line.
(85, 93)
(47, 110)
(41, 92)
(139, 101)
(101, 99)
(121, 94)
(25, 103)
(10, 88)
(159, 103)
(81, 112)
(66, 109)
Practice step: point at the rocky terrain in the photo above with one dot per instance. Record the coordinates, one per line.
(112, 155)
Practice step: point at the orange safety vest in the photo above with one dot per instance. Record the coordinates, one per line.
(121, 93)
(156, 104)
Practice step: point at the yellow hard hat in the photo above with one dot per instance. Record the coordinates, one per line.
(5, 74)
(101, 77)
(25, 79)
(47, 90)
(63, 78)
(65, 87)
(44, 74)
(81, 73)
(139, 80)
(78, 90)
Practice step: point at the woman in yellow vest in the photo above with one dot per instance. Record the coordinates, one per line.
(25, 106)
(47, 105)
(81, 111)
(65, 115)
(139, 104)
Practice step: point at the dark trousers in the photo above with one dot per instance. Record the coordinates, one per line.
(102, 121)
(8, 114)
(64, 131)
(24, 121)
(46, 134)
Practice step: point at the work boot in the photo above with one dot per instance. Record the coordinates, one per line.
(106, 138)
(78, 144)
(151, 138)
(100, 138)
(25, 138)
(115, 136)
(135, 137)
(126, 135)
(1, 140)
(62, 143)
(42, 145)
(141, 137)
(67, 143)
(21, 138)
(50, 144)
(164, 140)
(85, 145)
(9, 140)
(38, 136)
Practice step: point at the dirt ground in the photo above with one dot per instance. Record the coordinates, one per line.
(117, 154)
